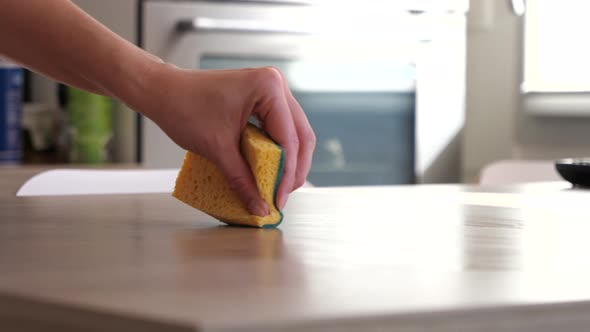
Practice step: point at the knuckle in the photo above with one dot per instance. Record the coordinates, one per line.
(309, 137)
(299, 182)
(270, 76)
(276, 71)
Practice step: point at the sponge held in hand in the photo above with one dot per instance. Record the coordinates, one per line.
(201, 184)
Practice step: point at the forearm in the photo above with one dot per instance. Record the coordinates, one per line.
(58, 39)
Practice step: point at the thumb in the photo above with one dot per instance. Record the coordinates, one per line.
(241, 181)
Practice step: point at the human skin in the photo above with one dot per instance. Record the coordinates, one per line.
(203, 111)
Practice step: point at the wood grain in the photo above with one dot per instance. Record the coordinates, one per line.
(433, 258)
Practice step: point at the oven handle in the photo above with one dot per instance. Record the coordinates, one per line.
(207, 24)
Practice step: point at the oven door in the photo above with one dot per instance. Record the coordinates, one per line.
(356, 86)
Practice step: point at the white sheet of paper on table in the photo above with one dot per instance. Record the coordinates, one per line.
(93, 182)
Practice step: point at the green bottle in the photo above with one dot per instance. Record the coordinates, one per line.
(90, 127)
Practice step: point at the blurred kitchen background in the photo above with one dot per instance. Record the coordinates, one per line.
(398, 92)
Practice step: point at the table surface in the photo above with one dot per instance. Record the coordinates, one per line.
(409, 258)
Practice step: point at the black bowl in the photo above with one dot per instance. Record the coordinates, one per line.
(575, 170)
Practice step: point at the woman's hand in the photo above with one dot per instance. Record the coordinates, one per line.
(202, 111)
(206, 111)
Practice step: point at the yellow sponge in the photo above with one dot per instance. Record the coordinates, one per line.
(201, 185)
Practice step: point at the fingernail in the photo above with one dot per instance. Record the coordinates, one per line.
(282, 201)
(259, 209)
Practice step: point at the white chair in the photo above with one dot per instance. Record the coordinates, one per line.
(519, 171)
(94, 182)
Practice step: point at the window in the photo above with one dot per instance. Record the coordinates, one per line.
(557, 57)
(557, 49)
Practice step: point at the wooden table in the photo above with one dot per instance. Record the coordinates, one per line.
(422, 258)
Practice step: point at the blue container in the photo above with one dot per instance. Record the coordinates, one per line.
(11, 85)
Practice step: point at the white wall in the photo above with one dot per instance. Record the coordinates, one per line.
(497, 126)
(493, 78)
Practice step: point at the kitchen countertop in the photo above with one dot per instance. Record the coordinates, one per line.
(403, 258)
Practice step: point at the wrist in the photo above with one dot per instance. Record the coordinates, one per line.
(136, 81)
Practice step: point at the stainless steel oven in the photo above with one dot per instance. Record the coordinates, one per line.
(357, 70)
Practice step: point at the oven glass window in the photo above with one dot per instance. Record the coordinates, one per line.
(363, 114)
